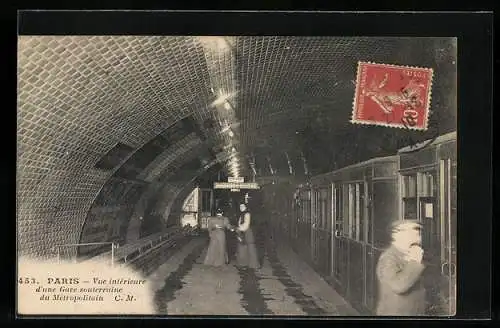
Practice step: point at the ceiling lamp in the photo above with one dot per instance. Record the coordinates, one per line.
(222, 99)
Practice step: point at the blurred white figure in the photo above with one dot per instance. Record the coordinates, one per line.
(399, 272)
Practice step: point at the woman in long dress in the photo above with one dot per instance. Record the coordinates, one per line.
(217, 251)
(247, 252)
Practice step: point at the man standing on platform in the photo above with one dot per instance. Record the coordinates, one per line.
(399, 272)
(231, 237)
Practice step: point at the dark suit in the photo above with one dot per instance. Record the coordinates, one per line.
(231, 237)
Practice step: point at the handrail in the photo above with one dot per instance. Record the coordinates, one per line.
(113, 246)
(143, 245)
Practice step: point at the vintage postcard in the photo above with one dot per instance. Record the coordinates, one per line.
(188, 175)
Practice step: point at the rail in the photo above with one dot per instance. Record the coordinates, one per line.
(127, 253)
(113, 247)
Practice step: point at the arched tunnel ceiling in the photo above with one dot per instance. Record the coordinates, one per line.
(80, 96)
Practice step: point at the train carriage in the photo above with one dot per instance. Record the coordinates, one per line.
(341, 219)
(428, 180)
(345, 238)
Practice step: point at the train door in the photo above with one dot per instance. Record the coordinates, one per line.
(369, 260)
(304, 237)
(294, 233)
(205, 206)
(448, 192)
(354, 231)
(315, 235)
(340, 255)
(421, 201)
(320, 233)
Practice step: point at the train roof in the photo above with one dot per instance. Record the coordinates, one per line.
(392, 158)
(439, 140)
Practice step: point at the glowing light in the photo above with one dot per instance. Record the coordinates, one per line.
(215, 43)
(221, 99)
(231, 134)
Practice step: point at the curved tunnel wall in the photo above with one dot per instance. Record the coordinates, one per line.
(110, 213)
(159, 206)
(157, 173)
(80, 96)
(146, 212)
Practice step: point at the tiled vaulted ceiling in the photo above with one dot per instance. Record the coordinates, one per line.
(78, 96)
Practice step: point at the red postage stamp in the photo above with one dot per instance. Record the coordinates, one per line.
(392, 96)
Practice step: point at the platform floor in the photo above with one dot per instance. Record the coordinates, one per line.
(284, 285)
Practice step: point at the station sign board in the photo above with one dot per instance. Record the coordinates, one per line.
(236, 179)
(236, 185)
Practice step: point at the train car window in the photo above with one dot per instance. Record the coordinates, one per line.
(323, 206)
(350, 211)
(361, 212)
(354, 211)
(338, 210)
(345, 210)
(317, 209)
(368, 219)
(306, 206)
(326, 210)
(329, 204)
(409, 188)
(426, 185)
